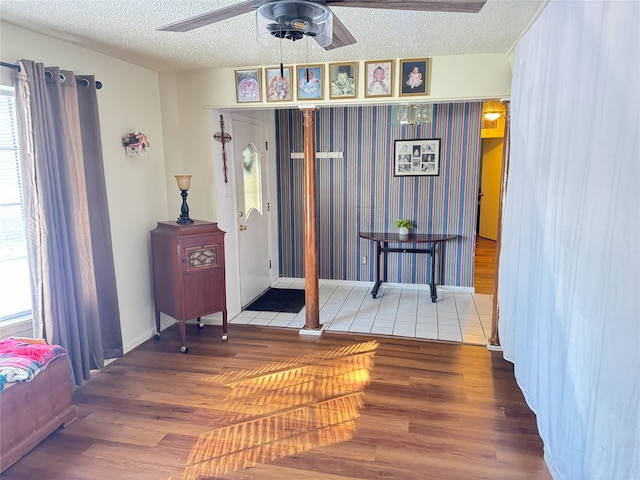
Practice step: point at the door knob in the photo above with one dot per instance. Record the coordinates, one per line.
(243, 227)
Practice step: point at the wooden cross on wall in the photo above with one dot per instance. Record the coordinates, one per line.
(224, 138)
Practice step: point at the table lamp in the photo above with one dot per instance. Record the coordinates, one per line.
(183, 184)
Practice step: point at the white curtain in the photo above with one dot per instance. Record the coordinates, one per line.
(570, 267)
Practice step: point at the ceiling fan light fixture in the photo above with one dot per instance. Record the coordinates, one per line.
(293, 19)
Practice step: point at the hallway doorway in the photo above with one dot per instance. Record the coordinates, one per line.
(484, 268)
(491, 164)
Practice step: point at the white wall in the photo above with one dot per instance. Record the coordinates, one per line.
(137, 196)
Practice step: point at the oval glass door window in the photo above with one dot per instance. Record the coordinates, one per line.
(251, 175)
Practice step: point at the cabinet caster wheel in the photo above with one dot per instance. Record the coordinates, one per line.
(156, 337)
(184, 349)
(225, 337)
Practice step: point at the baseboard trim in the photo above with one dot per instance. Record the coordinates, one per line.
(311, 332)
(359, 283)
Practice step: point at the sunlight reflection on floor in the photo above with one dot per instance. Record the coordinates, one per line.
(285, 408)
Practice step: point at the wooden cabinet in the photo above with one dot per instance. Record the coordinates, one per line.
(188, 273)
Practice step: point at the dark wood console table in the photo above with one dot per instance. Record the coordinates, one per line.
(383, 239)
(188, 273)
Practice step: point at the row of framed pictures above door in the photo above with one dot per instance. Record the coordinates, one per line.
(342, 81)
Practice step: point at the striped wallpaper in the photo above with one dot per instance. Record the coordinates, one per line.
(359, 192)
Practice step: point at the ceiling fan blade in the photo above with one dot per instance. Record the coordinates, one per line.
(463, 6)
(341, 36)
(210, 17)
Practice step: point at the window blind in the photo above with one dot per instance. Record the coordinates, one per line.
(14, 267)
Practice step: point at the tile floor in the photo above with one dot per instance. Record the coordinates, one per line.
(455, 317)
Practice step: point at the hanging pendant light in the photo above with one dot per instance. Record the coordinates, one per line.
(411, 114)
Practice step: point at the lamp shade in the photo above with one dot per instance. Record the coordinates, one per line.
(492, 110)
(492, 116)
(184, 181)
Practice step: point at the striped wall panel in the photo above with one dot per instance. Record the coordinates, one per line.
(359, 192)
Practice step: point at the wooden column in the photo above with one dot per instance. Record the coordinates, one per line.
(506, 150)
(311, 304)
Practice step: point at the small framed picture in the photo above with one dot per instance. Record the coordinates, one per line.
(248, 86)
(278, 84)
(344, 80)
(379, 78)
(419, 157)
(310, 82)
(415, 76)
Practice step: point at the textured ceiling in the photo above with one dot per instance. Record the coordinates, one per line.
(125, 29)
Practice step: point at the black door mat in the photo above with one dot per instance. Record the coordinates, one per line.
(286, 300)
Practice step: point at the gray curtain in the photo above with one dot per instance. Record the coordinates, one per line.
(75, 303)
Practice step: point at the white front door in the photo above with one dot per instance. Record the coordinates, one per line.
(250, 163)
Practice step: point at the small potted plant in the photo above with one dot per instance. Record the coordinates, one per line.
(404, 226)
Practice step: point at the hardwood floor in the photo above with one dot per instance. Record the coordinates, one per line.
(484, 265)
(273, 404)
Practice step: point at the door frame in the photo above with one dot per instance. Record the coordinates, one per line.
(494, 339)
(266, 197)
(224, 201)
(267, 121)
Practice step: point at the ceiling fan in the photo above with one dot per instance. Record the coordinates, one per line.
(293, 19)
